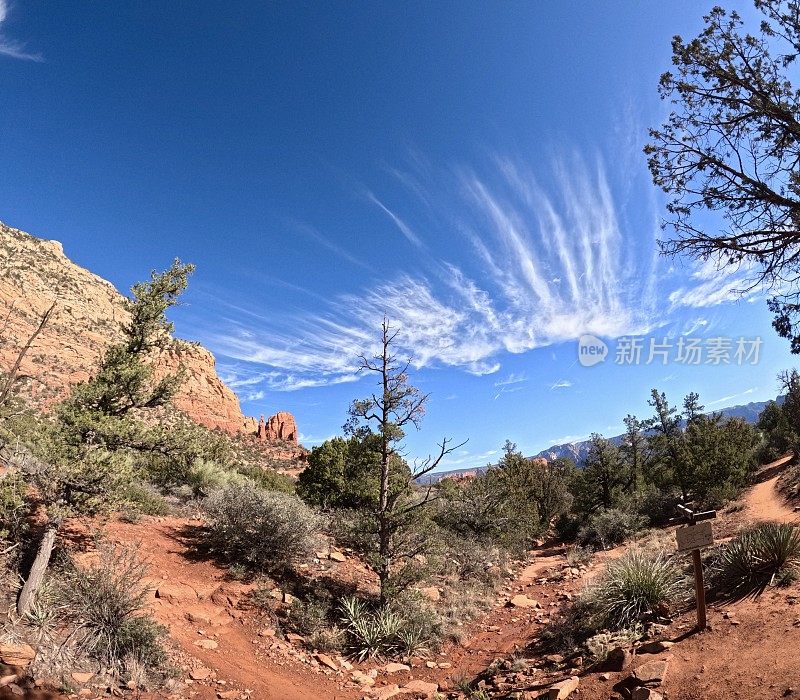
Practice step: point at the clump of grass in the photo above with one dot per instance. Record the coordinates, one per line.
(106, 600)
(634, 586)
(756, 558)
(577, 555)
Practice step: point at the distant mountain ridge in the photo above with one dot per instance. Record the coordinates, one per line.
(578, 451)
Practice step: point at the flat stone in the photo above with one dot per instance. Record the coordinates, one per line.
(326, 660)
(362, 678)
(646, 694)
(16, 690)
(422, 688)
(651, 673)
(564, 689)
(206, 644)
(337, 556)
(385, 692)
(175, 593)
(17, 654)
(5, 680)
(295, 638)
(200, 673)
(654, 647)
(396, 668)
(432, 593)
(82, 678)
(522, 601)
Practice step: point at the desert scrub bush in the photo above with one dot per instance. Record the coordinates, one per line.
(13, 508)
(599, 645)
(577, 555)
(609, 527)
(144, 499)
(758, 557)
(105, 600)
(633, 587)
(307, 617)
(263, 529)
(567, 633)
(267, 479)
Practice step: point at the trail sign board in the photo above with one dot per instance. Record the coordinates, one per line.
(694, 536)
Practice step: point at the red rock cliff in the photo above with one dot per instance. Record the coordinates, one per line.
(33, 274)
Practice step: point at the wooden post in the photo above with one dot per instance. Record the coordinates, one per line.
(691, 539)
(699, 589)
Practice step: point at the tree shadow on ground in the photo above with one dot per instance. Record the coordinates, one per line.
(198, 548)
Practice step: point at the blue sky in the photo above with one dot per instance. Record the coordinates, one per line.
(472, 170)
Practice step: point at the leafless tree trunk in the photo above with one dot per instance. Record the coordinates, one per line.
(7, 385)
(27, 596)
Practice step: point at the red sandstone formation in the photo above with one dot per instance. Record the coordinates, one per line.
(34, 273)
(281, 426)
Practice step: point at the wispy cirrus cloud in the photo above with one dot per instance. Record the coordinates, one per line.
(402, 226)
(561, 384)
(548, 265)
(10, 47)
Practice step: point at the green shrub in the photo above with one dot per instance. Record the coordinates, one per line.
(633, 587)
(106, 600)
(758, 557)
(267, 479)
(13, 507)
(609, 527)
(144, 499)
(263, 529)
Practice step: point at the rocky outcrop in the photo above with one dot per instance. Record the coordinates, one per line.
(282, 426)
(34, 273)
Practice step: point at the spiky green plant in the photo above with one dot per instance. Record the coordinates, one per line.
(371, 633)
(758, 557)
(632, 587)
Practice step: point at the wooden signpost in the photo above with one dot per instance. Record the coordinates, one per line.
(696, 534)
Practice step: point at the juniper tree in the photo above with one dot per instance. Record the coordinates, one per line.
(86, 455)
(731, 145)
(388, 413)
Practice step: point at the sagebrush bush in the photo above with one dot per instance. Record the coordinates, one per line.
(263, 529)
(758, 557)
(633, 587)
(609, 527)
(142, 498)
(106, 600)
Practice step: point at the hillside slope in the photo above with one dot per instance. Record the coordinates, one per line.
(34, 273)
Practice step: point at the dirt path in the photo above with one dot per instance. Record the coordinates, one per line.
(194, 599)
(763, 503)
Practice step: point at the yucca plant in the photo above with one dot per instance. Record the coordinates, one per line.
(759, 557)
(371, 633)
(412, 642)
(632, 587)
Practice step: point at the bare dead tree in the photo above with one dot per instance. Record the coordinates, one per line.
(11, 377)
(397, 406)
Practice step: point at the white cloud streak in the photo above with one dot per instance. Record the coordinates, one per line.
(402, 226)
(9, 47)
(551, 264)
